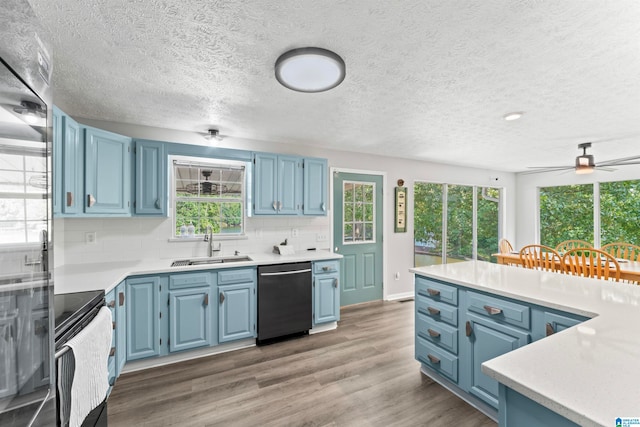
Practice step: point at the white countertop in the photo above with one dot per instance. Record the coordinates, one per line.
(89, 277)
(590, 373)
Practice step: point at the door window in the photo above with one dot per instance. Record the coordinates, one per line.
(358, 223)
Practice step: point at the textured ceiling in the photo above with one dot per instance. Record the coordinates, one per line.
(425, 79)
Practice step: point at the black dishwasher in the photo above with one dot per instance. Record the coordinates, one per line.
(284, 300)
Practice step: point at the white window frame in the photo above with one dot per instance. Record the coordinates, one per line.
(360, 242)
(213, 163)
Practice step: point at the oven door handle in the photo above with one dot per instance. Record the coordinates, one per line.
(286, 273)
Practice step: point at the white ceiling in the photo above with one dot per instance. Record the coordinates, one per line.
(425, 79)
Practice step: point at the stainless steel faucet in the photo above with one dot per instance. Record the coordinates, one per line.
(209, 238)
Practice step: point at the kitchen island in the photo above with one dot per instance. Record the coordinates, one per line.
(588, 374)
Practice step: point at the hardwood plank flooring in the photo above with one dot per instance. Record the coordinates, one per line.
(362, 374)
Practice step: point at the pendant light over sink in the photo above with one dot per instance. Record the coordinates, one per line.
(310, 69)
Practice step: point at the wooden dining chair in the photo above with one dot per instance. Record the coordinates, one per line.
(505, 246)
(567, 245)
(622, 250)
(589, 262)
(540, 257)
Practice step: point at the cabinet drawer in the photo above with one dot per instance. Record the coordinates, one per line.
(437, 310)
(189, 280)
(326, 267)
(436, 291)
(499, 310)
(227, 277)
(437, 332)
(437, 359)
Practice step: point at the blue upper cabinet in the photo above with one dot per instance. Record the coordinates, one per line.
(289, 185)
(72, 166)
(107, 172)
(56, 127)
(315, 187)
(277, 184)
(151, 179)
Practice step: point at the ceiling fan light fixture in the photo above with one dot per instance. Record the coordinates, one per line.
(213, 135)
(310, 69)
(513, 116)
(583, 170)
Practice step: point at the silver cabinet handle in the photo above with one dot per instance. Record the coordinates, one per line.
(111, 304)
(433, 311)
(91, 200)
(279, 206)
(157, 204)
(221, 297)
(206, 299)
(433, 359)
(275, 206)
(433, 292)
(324, 209)
(335, 283)
(492, 310)
(326, 268)
(549, 329)
(433, 333)
(121, 299)
(69, 198)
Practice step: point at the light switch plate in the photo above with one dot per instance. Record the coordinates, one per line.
(90, 237)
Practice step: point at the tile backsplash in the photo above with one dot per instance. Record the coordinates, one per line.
(148, 238)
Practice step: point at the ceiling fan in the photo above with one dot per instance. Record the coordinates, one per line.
(585, 163)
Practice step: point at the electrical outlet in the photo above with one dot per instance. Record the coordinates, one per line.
(90, 237)
(321, 237)
(294, 232)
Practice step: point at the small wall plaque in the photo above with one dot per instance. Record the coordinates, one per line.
(401, 208)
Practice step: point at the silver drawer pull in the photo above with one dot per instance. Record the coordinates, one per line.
(433, 359)
(492, 310)
(433, 311)
(433, 333)
(433, 292)
(326, 268)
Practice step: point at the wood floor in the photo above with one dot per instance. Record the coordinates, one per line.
(362, 374)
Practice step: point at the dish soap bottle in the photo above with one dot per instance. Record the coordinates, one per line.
(191, 230)
(183, 230)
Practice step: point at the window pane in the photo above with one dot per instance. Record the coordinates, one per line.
(488, 222)
(619, 207)
(348, 192)
(348, 232)
(427, 220)
(357, 188)
(348, 211)
(566, 213)
(459, 223)
(231, 218)
(359, 211)
(12, 232)
(11, 182)
(12, 209)
(368, 212)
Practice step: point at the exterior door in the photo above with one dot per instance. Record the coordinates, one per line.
(357, 234)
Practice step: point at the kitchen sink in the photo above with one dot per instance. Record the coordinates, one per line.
(207, 261)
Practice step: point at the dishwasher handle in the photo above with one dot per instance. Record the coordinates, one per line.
(286, 273)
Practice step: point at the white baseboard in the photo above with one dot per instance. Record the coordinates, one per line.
(138, 365)
(404, 295)
(323, 328)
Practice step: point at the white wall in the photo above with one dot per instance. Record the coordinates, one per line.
(145, 237)
(527, 195)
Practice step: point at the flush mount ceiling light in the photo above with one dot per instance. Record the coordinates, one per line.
(513, 116)
(213, 135)
(310, 69)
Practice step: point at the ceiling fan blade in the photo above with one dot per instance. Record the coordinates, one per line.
(619, 161)
(606, 168)
(547, 169)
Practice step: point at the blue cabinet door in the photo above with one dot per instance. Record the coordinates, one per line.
(489, 339)
(151, 178)
(289, 185)
(315, 187)
(265, 184)
(189, 318)
(56, 127)
(107, 172)
(72, 167)
(236, 315)
(326, 307)
(143, 317)
(121, 321)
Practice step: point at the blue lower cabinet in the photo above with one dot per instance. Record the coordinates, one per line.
(236, 311)
(143, 317)
(517, 410)
(189, 318)
(326, 299)
(487, 340)
(437, 359)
